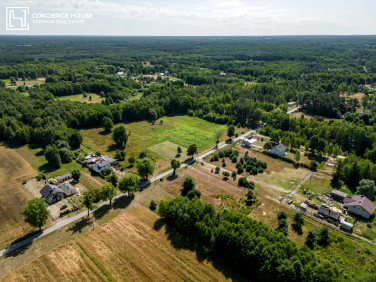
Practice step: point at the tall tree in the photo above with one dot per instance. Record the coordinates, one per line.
(145, 167)
(52, 156)
(175, 164)
(35, 212)
(119, 135)
(367, 188)
(108, 191)
(107, 124)
(231, 131)
(192, 150)
(129, 182)
(88, 201)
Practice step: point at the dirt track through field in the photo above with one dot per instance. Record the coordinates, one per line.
(13, 169)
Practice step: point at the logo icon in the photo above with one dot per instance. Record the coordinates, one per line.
(16, 18)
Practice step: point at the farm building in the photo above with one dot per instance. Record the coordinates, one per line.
(68, 189)
(100, 166)
(120, 73)
(346, 225)
(52, 193)
(327, 213)
(64, 177)
(338, 195)
(160, 74)
(291, 104)
(246, 142)
(360, 205)
(279, 150)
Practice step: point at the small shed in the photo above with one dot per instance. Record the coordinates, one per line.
(68, 189)
(346, 225)
(64, 177)
(303, 206)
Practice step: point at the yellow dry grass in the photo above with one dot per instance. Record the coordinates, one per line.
(13, 169)
(65, 263)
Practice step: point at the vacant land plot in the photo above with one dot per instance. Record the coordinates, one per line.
(20, 82)
(65, 263)
(35, 156)
(129, 247)
(181, 130)
(95, 98)
(13, 168)
(168, 150)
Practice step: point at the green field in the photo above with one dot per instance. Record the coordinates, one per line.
(20, 82)
(181, 130)
(95, 98)
(35, 156)
(168, 150)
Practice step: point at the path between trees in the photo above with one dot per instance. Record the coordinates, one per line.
(142, 184)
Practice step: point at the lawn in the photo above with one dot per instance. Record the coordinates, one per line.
(318, 183)
(181, 130)
(20, 82)
(35, 156)
(95, 98)
(169, 150)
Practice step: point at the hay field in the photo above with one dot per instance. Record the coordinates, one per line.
(13, 169)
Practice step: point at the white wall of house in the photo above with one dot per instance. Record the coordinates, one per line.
(358, 210)
(275, 152)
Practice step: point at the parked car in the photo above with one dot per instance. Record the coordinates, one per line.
(63, 207)
(202, 163)
(290, 202)
(24, 182)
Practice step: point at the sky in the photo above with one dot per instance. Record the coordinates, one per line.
(193, 17)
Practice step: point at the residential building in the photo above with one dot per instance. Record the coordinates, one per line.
(68, 189)
(360, 205)
(303, 207)
(52, 193)
(107, 159)
(291, 104)
(100, 166)
(279, 150)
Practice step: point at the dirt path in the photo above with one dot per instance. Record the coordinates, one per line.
(296, 186)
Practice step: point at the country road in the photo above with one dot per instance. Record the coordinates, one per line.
(141, 185)
(294, 110)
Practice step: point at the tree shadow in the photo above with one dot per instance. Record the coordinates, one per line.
(158, 224)
(18, 251)
(172, 177)
(297, 229)
(46, 168)
(78, 226)
(104, 132)
(101, 212)
(113, 147)
(123, 202)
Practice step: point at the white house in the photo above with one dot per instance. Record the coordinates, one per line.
(100, 166)
(291, 104)
(161, 74)
(360, 205)
(279, 150)
(120, 73)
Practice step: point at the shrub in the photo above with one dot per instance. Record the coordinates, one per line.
(217, 169)
(153, 205)
(234, 159)
(188, 184)
(240, 169)
(194, 193)
(243, 182)
(221, 154)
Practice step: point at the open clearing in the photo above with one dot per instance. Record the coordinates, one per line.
(13, 168)
(131, 247)
(20, 82)
(168, 150)
(65, 263)
(95, 98)
(182, 130)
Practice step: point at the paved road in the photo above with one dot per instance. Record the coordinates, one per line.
(294, 109)
(83, 214)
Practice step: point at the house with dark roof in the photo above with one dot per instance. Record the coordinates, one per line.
(327, 213)
(338, 195)
(64, 177)
(108, 159)
(360, 205)
(100, 166)
(52, 193)
(68, 189)
(279, 150)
